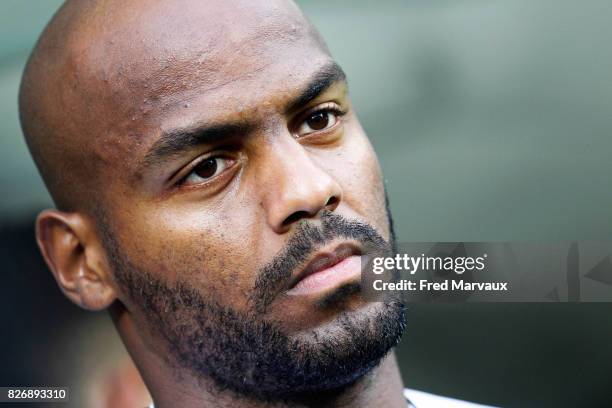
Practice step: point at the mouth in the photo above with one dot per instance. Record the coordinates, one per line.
(327, 269)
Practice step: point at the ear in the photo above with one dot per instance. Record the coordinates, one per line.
(72, 250)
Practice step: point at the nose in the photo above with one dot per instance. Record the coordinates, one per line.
(296, 187)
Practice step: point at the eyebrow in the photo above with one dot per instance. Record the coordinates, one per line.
(173, 142)
(176, 141)
(319, 83)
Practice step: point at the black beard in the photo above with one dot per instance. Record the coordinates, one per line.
(253, 357)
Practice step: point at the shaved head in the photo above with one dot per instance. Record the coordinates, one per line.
(101, 67)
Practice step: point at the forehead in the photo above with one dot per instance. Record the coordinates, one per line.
(148, 59)
(175, 46)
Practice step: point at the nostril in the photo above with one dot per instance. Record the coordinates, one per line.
(296, 216)
(330, 205)
(333, 200)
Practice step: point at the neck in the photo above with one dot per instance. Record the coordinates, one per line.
(172, 387)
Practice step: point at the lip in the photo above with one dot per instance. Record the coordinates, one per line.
(324, 261)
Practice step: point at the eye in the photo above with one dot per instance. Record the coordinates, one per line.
(318, 121)
(207, 169)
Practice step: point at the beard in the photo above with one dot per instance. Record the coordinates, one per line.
(247, 354)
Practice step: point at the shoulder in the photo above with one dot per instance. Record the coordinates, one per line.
(422, 399)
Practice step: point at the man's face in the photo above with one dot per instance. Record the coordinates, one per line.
(232, 163)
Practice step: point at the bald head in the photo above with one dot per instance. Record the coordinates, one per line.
(105, 76)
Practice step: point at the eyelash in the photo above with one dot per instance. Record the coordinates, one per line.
(329, 107)
(182, 182)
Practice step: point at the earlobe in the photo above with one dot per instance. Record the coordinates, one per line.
(93, 293)
(72, 250)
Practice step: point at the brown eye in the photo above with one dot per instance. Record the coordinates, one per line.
(318, 121)
(207, 169)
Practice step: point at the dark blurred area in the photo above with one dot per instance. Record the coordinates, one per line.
(493, 122)
(48, 341)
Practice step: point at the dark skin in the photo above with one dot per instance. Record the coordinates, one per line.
(199, 129)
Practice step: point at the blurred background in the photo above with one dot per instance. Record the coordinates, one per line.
(493, 122)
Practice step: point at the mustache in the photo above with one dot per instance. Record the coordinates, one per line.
(308, 237)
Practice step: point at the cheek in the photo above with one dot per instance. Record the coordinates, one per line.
(208, 252)
(359, 174)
